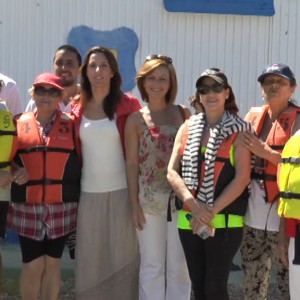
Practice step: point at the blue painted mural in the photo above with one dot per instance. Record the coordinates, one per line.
(238, 7)
(123, 41)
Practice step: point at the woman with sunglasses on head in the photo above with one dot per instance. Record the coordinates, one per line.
(43, 210)
(150, 135)
(209, 171)
(107, 260)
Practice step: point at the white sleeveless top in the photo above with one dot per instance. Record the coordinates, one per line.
(261, 215)
(103, 161)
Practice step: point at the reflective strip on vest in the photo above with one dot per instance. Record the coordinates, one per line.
(219, 221)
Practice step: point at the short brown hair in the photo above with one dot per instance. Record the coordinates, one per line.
(148, 67)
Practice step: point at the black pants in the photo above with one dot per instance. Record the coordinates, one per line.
(3, 214)
(209, 261)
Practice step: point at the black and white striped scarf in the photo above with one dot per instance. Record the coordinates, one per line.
(227, 126)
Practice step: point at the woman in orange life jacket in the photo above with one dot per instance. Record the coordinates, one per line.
(150, 135)
(212, 185)
(274, 123)
(43, 211)
(107, 258)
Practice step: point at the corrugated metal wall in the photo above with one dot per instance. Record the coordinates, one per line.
(31, 30)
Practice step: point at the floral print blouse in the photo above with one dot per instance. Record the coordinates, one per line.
(156, 144)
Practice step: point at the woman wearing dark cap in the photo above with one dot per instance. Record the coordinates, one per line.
(43, 210)
(209, 171)
(274, 123)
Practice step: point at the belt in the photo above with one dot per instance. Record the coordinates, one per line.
(219, 221)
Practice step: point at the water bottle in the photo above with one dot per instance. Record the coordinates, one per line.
(204, 231)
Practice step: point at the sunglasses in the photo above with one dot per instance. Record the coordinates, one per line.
(271, 81)
(205, 89)
(42, 91)
(166, 59)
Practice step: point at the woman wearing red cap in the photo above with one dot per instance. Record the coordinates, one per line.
(209, 171)
(43, 210)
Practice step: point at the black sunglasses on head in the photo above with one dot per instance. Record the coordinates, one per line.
(205, 89)
(166, 59)
(42, 91)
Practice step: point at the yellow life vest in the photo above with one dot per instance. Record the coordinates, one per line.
(289, 179)
(8, 138)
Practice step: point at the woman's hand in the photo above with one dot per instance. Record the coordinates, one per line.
(255, 145)
(138, 217)
(283, 244)
(20, 176)
(202, 214)
(5, 179)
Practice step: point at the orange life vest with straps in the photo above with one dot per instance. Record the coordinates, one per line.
(278, 135)
(224, 172)
(53, 166)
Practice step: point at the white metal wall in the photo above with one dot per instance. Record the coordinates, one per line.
(31, 30)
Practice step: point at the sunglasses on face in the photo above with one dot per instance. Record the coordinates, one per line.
(166, 59)
(42, 91)
(271, 81)
(205, 89)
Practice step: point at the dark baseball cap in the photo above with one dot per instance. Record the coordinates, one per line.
(215, 74)
(277, 69)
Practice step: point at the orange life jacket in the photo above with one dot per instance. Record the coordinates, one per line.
(53, 167)
(224, 172)
(279, 134)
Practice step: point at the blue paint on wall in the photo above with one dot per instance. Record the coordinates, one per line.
(238, 7)
(123, 39)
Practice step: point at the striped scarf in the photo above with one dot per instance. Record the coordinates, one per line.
(227, 126)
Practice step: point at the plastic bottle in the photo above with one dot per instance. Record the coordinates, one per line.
(204, 231)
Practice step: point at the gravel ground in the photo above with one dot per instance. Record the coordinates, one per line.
(235, 292)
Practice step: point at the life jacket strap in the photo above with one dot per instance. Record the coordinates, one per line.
(291, 160)
(276, 147)
(8, 132)
(4, 164)
(289, 195)
(45, 181)
(41, 148)
(263, 176)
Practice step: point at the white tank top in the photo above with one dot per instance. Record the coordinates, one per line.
(261, 215)
(103, 161)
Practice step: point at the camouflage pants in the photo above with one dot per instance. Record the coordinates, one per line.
(259, 253)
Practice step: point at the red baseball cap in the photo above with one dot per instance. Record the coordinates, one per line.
(48, 78)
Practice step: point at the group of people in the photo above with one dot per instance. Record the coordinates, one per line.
(161, 200)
